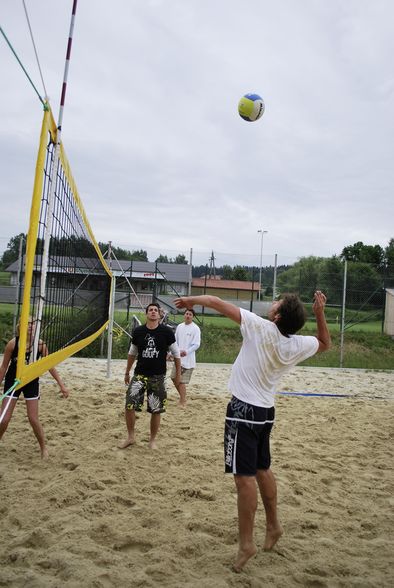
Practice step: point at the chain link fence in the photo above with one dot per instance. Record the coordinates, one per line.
(357, 292)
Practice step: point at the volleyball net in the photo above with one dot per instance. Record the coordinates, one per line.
(67, 283)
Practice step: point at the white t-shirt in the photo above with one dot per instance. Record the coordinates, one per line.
(188, 338)
(265, 356)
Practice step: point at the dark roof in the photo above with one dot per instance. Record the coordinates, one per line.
(62, 264)
(174, 272)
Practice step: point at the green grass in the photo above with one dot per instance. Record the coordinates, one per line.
(5, 278)
(5, 307)
(361, 349)
(368, 327)
(6, 324)
(364, 345)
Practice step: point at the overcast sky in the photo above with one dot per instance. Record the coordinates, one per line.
(160, 155)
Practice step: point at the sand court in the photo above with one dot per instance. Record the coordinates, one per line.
(94, 515)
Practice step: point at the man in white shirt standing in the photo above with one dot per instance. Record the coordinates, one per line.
(188, 338)
(270, 349)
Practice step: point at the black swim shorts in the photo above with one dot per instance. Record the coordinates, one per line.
(247, 437)
(31, 391)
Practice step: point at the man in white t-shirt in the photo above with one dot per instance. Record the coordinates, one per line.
(270, 349)
(188, 338)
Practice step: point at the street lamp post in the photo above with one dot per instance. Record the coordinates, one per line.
(261, 258)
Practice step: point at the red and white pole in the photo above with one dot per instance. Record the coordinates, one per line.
(65, 76)
(51, 195)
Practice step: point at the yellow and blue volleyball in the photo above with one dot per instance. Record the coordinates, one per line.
(251, 107)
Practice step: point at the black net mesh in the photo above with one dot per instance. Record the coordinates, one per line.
(74, 288)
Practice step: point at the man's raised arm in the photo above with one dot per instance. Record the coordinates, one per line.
(223, 307)
(323, 334)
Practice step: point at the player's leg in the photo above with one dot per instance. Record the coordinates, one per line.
(185, 379)
(182, 394)
(267, 483)
(154, 429)
(240, 458)
(32, 414)
(267, 486)
(134, 402)
(130, 419)
(7, 408)
(181, 387)
(247, 506)
(157, 400)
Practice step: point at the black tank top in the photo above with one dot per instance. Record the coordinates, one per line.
(11, 371)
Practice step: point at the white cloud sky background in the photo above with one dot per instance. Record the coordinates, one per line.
(161, 158)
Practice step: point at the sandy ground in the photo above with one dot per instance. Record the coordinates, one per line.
(96, 516)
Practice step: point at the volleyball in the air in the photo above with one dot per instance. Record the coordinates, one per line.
(251, 107)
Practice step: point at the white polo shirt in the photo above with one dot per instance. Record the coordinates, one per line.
(188, 338)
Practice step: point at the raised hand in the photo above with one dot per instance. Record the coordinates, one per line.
(319, 301)
(182, 302)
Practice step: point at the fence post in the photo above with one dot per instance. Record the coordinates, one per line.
(189, 289)
(154, 290)
(385, 274)
(275, 273)
(205, 290)
(18, 283)
(343, 314)
(252, 293)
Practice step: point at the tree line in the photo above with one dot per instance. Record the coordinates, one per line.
(370, 268)
(74, 246)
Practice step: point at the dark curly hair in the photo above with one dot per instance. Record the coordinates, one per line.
(152, 304)
(292, 314)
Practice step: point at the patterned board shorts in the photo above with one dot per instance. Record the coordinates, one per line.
(247, 438)
(186, 374)
(156, 395)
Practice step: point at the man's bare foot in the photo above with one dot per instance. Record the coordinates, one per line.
(152, 444)
(272, 536)
(44, 453)
(243, 556)
(182, 404)
(129, 441)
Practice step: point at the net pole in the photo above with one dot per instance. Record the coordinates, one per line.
(343, 314)
(67, 63)
(51, 197)
(111, 313)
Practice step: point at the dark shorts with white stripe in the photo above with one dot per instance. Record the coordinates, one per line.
(247, 438)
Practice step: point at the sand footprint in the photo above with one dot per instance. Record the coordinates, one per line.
(129, 544)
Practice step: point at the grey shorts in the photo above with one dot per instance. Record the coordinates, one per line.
(186, 374)
(156, 395)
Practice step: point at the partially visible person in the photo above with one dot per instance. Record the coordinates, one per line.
(163, 320)
(150, 345)
(270, 349)
(31, 391)
(188, 337)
